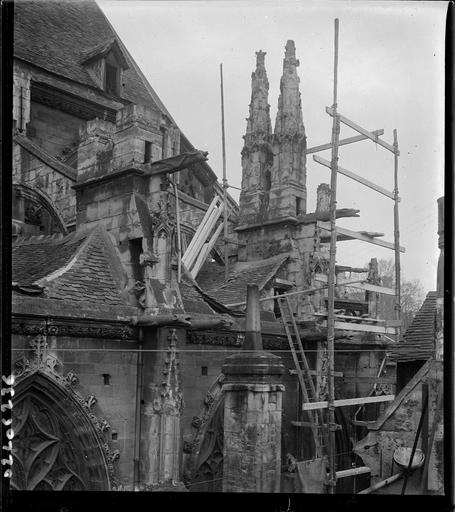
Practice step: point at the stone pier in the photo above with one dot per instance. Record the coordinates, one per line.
(252, 412)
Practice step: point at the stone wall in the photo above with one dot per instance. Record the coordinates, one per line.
(91, 359)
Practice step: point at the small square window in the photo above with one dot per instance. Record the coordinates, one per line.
(204, 370)
(106, 379)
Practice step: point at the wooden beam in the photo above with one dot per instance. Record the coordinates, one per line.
(344, 473)
(360, 236)
(361, 285)
(370, 380)
(355, 177)
(350, 326)
(342, 142)
(310, 406)
(314, 372)
(355, 319)
(362, 131)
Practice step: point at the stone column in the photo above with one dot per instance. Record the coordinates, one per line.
(252, 412)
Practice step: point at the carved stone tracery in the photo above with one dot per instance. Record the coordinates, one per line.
(55, 427)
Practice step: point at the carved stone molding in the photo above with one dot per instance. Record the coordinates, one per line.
(43, 361)
(233, 339)
(79, 330)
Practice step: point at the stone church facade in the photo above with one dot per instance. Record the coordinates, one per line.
(118, 351)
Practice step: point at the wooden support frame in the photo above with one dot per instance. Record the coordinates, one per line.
(342, 142)
(347, 402)
(356, 177)
(362, 131)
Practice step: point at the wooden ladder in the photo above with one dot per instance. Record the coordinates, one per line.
(303, 371)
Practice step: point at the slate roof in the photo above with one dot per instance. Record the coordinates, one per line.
(57, 36)
(211, 278)
(78, 267)
(193, 301)
(419, 338)
(35, 257)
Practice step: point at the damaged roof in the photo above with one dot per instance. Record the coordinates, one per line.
(419, 338)
(81, 266)
(211, 278)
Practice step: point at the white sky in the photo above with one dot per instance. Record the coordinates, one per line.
(391, 75)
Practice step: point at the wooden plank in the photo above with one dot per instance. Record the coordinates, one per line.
(361, 236)
(201, 226)
(344, 473)
(362, 285)
(205, 251)
(362, 131)
(314, 372)
(349, 326)
(342, 142)
(201, 236)
(356, 177)
(370, 380)
(355, 319)
(309, 406)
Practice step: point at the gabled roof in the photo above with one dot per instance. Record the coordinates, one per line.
(211, 278)
(101, 50)
(59, 36)
(419, 338)
(78, 267)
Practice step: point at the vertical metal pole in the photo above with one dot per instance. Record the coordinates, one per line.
(179, 234)
(331, 278)
(396, 237)
(225, 183)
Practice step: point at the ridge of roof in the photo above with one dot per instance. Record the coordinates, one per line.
(418, 340)
(93, 275)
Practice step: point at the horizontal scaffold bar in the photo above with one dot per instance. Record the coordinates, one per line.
(359, 327)
(310, 406)
(342, 142)
(355, 235)
(361, 130)
(362, 285)
(355, 177)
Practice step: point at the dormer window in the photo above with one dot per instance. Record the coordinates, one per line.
(105, 64)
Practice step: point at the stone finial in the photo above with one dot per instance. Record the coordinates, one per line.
(289, 119)
(260, 59)
(289, 55)
(259, 126)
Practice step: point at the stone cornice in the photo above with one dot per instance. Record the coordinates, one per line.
(110, 177)
(70, 103)
(62, 327)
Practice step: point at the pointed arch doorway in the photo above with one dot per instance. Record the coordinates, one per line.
(56, 446)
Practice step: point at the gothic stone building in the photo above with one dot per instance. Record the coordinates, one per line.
(118, 349)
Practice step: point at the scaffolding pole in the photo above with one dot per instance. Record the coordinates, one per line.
(225, 183)
(331, 481)
(396, 235)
